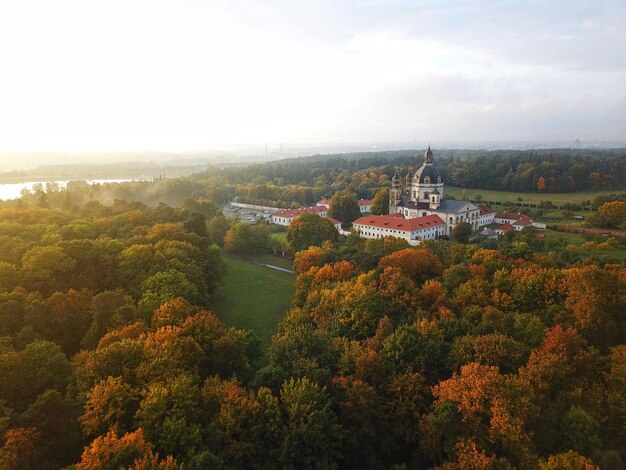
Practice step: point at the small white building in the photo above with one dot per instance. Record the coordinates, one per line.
(412, 230)
(285, 217)
(365, 205)
(486, 215)
(336, 223)
(518, 220)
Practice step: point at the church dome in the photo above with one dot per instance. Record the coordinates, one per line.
(427, 173)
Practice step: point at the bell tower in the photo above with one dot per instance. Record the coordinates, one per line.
(395, 193)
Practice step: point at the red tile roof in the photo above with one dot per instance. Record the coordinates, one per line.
(514, 216)
(395, 223)
(485, 210)
(334, 221)
(522, 222)
(324, 202)
(366, 202)
(506, 227)
(288, 213)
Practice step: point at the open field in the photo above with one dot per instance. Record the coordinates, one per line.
(535, 198)
(254, 297)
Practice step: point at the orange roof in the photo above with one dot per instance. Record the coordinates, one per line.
(366, 202)
(324, 202)
(301, 210)
(506, 228)
(395, 223)
(514, 216)
(485, 210)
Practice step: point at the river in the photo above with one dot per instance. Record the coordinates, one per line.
(14, 190)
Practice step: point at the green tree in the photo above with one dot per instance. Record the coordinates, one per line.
(461, 232)
(344, 206)
(313, 434)
(218, 227)
(245, 238)
(310, 229)
(380, 206)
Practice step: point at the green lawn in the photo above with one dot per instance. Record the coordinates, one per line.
(577, 239)
(254, 297)
(504, 196)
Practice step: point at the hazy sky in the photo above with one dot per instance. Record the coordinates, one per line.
(191, 74)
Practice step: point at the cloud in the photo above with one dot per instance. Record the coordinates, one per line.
(168, 74)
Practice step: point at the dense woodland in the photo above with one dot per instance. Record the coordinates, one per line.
(451, 355)
(459, 354)
(305, 180)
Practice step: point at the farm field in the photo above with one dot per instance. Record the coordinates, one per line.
(503, 196)
(254, 297)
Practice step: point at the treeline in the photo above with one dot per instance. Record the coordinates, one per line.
(303, 181)
(562, 170)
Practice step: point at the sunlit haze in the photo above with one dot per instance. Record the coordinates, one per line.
(182, 75)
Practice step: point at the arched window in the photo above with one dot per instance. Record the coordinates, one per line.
(427, 179)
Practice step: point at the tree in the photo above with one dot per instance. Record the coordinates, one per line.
(541, 184)
(380, 206)
(344, 206)
(310, 229)
(569, 460)
(110, 452)
(461, 232)
(611, 214)
(218, 227)
(55, 417)
(110, 406)
(312, 434)
(245, 238)
(419, 264)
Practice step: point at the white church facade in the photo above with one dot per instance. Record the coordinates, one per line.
(422, 195)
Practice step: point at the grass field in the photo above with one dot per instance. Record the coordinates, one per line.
(254, 297)
(503, 196)
(577, 239)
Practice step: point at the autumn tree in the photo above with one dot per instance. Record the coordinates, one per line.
(611, 214)
(541, 184)
(419, 264)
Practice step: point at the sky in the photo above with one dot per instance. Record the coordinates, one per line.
(177, 75)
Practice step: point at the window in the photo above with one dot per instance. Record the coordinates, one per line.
(427, 179)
